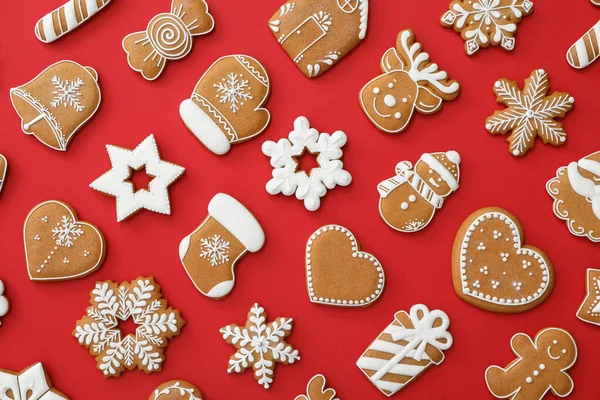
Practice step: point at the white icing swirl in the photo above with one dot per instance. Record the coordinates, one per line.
(169, 36)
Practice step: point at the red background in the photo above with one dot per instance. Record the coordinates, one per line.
(417, 266)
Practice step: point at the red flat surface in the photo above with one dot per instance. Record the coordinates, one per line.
(417, 266)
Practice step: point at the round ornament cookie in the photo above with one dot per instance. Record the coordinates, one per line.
(493, 269)
(176, 390)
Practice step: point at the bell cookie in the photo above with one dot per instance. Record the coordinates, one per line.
(290, 180)
(529, 113)
(407, 347)
(586, 49)
(116, 182)
(484, 23)
(169, 36)
(540, 367)
(338, 273)
(409, 200)
(58, 246)
(210, 253)
(493, 269)
(410, 81)
(3, 169)
(315, 390)
(589, 311)
(261, 345)
(226, 105)
(54, 105)
(66, 18)
(317, 35)
(176, 390)
(33, 383)
(156, 323)
(4, 304)
(576, 194)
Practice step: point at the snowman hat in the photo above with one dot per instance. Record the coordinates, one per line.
(446, 165)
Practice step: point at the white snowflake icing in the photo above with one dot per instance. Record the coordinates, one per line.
(215, 249)
(233, 91)
(66, 232)
(67, 93)
(413, 226)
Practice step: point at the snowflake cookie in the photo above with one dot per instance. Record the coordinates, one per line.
(32, 383)
(260, 344)
(316, 390)
(156, 323)
(4, 305)
(482, 23)
(530, 112)
(311, 186)
(176, 390)
(116, 181)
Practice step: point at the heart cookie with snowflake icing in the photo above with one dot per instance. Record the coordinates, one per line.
(58, 246)
(338, 273)
(491, 267)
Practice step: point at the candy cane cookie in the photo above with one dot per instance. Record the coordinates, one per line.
(587, 49)
(66, 18)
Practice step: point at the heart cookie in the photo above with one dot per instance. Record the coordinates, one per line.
(58, 246)
(338, 273)
(491, 267)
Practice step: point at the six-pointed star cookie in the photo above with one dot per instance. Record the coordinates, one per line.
(116, 181)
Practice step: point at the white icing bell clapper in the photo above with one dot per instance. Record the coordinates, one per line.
(4, 306)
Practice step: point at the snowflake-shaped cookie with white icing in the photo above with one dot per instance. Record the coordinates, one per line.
(156, 323)
(311, 186)
(260, 345)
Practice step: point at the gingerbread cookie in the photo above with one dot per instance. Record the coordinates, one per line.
(33, 383)
(338, 273)
(4, 305)
(3, 169)
(156, 323)
(530, 112)
(315, 390)
(589, 311)
(312, 185)
(176, 390)
(406, 348)
(317, 35)
(493, 269)
(210, 253)
(66, 18)
(482, 23)
(261, 345)
(54, 105)
(169, 36)
(596, 2)
(586, 50)
(116, 182)
(58, 246)
(576, 194)
(409, 200)
(540, 367)
(410, 82)
(226, 105)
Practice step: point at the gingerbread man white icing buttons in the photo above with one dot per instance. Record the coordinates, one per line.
(589, 311)
(32, 383)
(4, 304)
(67, 18)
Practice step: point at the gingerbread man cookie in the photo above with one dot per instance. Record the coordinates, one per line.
(589, 311)
(176, 390)
(540, 367)
(315, 390)
(32, 383)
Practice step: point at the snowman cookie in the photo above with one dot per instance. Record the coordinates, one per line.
(410, 199)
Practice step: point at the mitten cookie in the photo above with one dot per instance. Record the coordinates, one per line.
(540, 367)
(33, 383)
(169, 36)
(66, 18)
(210, 253)
(586, 50)
(176, 390)
(589, 311)
(493, 269)
(54, 105)
(315, 390)
(530, 112)
(3, 169)
(409, 200)
(226, 106)
(58, 246)
(4, 305)
(318, 34)
(410, 82)
(576, 194)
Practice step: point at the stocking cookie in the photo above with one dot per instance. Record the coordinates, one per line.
(315, 390)
(576, 194)
(169, 36)
(587, 49)
(409, 200)
(66, 18)
(410, 82)
(4, 305)
(210, 253)
(589, 311)
(226, 106)
(58, 246)
(540, 367)
(482, 23)
(3, 169)
(54, 105)
(338, 273)
(530, 112)
(493, 269)
(32, 383)
(176, 390)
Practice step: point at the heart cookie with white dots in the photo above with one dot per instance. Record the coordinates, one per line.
(338, 273)
(58, 246)
(493, 270)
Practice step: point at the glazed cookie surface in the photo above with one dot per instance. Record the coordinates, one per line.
(32, 383)
(176, 390)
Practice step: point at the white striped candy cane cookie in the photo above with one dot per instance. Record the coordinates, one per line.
(587, 49)
(66, 18)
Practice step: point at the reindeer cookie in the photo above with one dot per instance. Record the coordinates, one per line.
(540, 367)
(410, 82)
